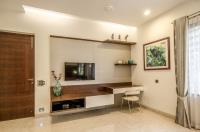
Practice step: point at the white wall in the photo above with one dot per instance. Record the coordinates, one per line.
(161, 96)
(42, 25)
(103, 55)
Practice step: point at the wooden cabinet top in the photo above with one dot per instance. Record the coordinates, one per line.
(81, 91)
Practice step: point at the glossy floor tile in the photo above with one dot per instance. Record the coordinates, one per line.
(107, 120)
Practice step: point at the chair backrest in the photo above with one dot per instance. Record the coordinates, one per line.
(132, 92)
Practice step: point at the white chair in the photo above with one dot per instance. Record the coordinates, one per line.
(133, 96)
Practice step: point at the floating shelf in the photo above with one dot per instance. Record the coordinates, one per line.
(92, 40)
(125, 64)
(73, 38)
(119, 42)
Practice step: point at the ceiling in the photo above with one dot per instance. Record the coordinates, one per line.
(127, 12)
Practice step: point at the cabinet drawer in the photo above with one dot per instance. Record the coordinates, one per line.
(100, 100)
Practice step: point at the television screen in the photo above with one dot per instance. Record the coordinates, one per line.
(79, 71)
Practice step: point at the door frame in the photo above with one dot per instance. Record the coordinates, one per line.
(32, 35)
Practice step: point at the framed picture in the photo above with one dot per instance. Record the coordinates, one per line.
(157, 54)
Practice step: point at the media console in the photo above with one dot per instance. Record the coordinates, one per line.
(79, 98)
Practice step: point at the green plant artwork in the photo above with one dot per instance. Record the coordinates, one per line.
(156, 56)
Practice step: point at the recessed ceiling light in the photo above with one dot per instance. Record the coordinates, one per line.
(147, 12)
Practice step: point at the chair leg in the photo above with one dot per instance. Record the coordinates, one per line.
(132, 106)
(139, 106)
(122, 102)
(129, 106)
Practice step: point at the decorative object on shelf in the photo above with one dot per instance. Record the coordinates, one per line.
(57, 89)
(119, 42)
(130, 61)
(113, 36)
(157, 54)
(126, 37)
(120, 62)
(119, 37)
(125, 64)
(65, 106)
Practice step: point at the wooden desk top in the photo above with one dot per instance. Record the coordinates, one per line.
(124, 86)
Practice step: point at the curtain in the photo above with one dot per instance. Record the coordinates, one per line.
(193, 60)
(180, 49)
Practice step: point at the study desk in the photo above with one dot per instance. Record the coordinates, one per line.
(123, 89)
(88, 97)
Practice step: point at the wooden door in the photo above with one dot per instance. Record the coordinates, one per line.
(16, 76)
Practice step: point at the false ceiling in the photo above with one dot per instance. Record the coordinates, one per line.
(127, 12)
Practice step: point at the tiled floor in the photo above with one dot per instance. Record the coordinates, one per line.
(96, 121)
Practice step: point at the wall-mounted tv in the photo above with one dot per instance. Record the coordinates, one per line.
(79, 71)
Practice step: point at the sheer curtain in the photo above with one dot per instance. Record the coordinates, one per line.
(193, 70)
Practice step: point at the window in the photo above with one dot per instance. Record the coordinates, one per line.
(194, 55)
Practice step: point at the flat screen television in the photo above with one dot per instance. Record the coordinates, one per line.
(79, 71)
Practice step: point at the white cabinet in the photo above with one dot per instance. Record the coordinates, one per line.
(100, 100)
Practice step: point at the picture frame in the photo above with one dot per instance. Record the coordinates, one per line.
(156, 54)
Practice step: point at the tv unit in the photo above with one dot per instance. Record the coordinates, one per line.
(79, 71)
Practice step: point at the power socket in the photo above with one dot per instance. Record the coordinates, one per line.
(41, 109)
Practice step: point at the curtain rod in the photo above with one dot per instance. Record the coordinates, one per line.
(191, 16)
(194, 14)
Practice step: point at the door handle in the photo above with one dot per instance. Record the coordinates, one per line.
(31, 80)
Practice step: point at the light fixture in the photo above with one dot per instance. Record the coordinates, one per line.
(147, 12)
(45, 13)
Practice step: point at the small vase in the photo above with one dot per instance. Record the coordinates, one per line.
(57, 89)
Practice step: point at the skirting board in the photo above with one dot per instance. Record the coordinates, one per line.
(159, 112)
